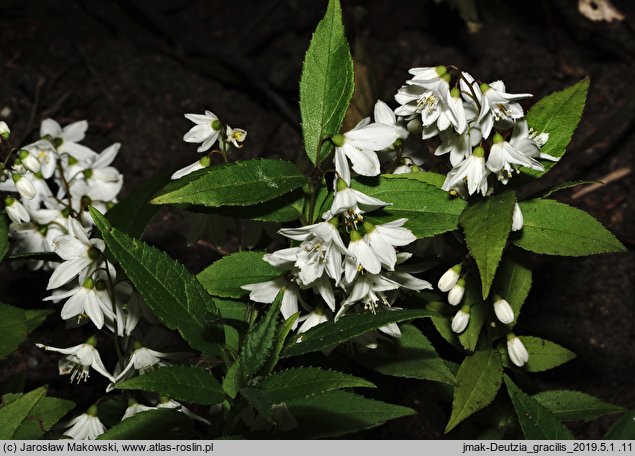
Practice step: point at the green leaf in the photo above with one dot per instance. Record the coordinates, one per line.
(183, 383)
(4, 236)
(337, 412)
(14, 414)
(285, 208)
(35, 317)
(258, 342)
(133, 213)
(567, 185)
(443, 321)
(225, 276)
(326, 84)
(558, 114)
(233, 379)
(278, 343)
(478, 380)
(478, 312)
(169, 290)
(259, 400)
(544, 355)
(487, 223)
(410, 356)
(544, 230)
(301, 382)
(434, 179)
(346, 328)
(513, 283)
(233, 184)
(13, 329)
(152, 424)
(569, 405)
(536, 421)
(44, 414)
(624, 429)
(429, 210)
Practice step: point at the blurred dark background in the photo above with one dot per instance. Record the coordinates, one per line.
(132, 68)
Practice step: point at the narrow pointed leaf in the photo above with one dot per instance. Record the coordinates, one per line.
(43, 415)
(14, 414)
(13, 329)
(624, 429)
(536, 421)
(513, 283)
(162, 424)
(233, 184)
(544, 354)
(259, 340)
(569, 405)
(173, 294)
(183, 383)
(326, 84)
(487, 224)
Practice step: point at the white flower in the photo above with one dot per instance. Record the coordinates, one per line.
(199, 164)
(360, 145)
(471, 170)
(84, 299)
(369, 289)
(529, 142)
(46, 154)
(97, 179)
(16, 210)
(459, 146)
(235, 136)
(79, 252)
(66, 140)
(431, 102)
(86, 426)
(165, 402)
(461, 319)
(266, 292)
(79, 359)
(314, 318)
(503, 310)
(23, 186)
(143, 360)
(504, 159)
(5, 131)
(449, 278)
(428, 75)
(386, 116)
(516, 350)
(347, 198)
(29, 161)
(363, 257)
(382, 240)
(133, 408)
(405, 166)
(517, 218)
(206, 130)
(455, 296)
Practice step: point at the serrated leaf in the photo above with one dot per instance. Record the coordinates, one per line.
(4, 236)
(259, 400)
(513, 282)
(434, 179)
(337, 413)
(285, 208)
(301, 382)
(225, 276)
(183, 383)
(410, 356)
(278, 343)
(624, 429)
(44, 414)
(14, 414)
(429, 210)
(478, 380)
(443, 322)
(557, 114)
(162, 424)
(258, 342)
(487, 223)
(133, 213)
(569, 405)
(233, 184)
(233, 379)
(544, 231)
(346, 328)
(544, 354)
(326, 84)
(567, 185)
(13, 329)
(536, 421)
(169, 290)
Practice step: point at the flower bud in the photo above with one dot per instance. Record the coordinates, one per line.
(517, 218)
(498, 138)
(516, 350)
(16, 211)
(338, 140)
(479, 152)
(449, 278)
(23, 186)
(461, 319)
(455, 296)
(29, 161)
(503, 310)
(5, 132)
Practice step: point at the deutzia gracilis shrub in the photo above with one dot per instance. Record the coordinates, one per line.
(414, 213)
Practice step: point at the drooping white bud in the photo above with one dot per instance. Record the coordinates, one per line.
(461, 319)
(517, 218)
(30, 161)
(516, 350)
(449, 278)
(5, 132)
(503, 310)
(16, 211)
(455, 296)
(24, 187)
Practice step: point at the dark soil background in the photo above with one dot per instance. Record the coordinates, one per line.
(132, 68)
